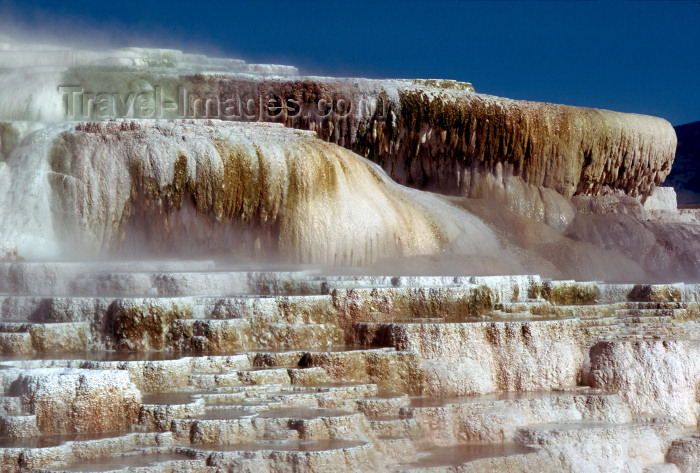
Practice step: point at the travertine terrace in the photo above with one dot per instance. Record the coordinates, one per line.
(432, 281)
(192, 366)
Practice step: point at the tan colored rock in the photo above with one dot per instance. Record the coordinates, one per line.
(18, 426)
(67, 337)
(496, 419)
(446, 137)
(245, 189)
(590, 446)
(487, 357)
(341, 457)
(426, 133)
(390, 370)
(79, 400)
(159, 417)
(654, 377)
(604, 204)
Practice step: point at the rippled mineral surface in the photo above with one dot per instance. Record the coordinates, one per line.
(423, 279)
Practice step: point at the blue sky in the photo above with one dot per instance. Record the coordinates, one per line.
(641, 57)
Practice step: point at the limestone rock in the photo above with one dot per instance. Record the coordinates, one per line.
(205, 186)
(684, 454)
(419, 360)
(520, 343)
(8, 252)
(654, 377)
(607, 204)
(591, 446)
(485, 357)
(79, 400)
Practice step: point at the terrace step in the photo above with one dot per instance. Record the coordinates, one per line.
(18, 426)
(239, 368)
(263, 376)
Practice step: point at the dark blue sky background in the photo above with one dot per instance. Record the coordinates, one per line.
(641, 57)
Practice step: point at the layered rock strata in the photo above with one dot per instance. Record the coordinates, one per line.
(351, 373)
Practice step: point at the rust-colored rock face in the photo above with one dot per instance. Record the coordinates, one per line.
(445, 137)
(430, 134)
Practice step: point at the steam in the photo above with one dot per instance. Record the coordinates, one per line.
(23, 25)
(52, 82)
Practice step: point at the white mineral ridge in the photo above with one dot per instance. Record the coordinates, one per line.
(662, 199)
